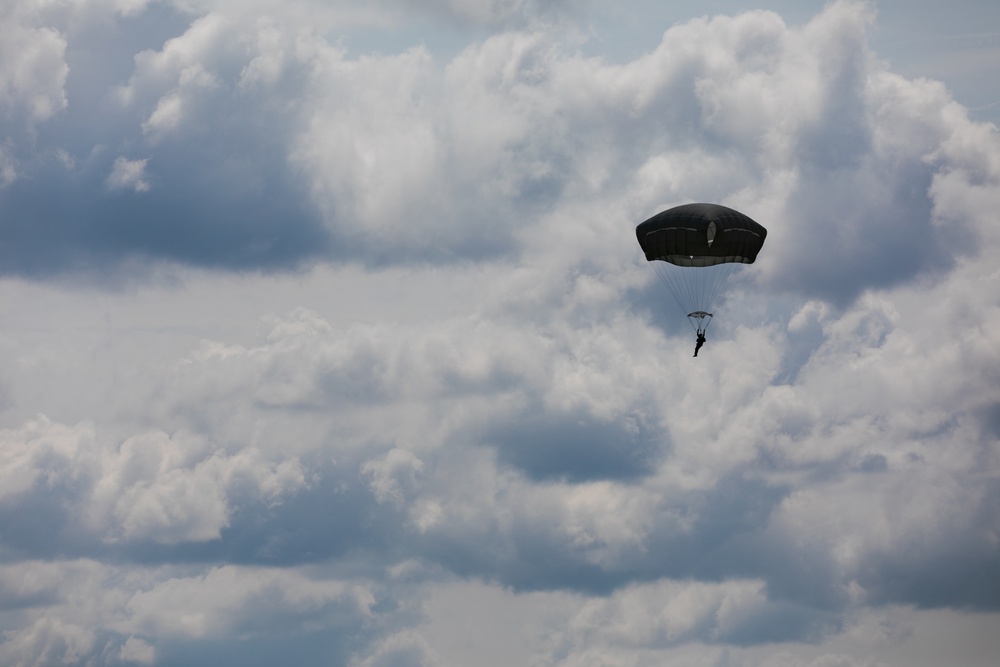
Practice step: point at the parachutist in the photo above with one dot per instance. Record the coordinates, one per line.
(699, 342)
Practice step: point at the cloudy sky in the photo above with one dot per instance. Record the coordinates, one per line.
(325, 338)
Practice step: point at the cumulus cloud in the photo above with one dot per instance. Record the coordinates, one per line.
(137, 651)
(457, 160)
(667, 613)
(33, 68)
(129, 174)
(405, 648)
(472, 406)
(227, 599)
(152, 487)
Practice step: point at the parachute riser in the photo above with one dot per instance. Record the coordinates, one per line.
(700, 320)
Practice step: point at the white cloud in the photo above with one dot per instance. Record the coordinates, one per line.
(33, 67)
(153, 487)
(48, 641)
(43, 454)
(478, 431)
(128, 174)
(230, 599)
(175, 489)
(391, 474)
(404, 648)
(8, 166)
(137, 651)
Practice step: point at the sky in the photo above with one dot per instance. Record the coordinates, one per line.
(325, 338)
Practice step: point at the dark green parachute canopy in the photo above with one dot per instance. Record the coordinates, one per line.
(701, 235)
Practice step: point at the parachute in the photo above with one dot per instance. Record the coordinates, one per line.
(699, 251)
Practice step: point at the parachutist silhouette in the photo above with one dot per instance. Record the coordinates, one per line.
(699, 251)
(699, 342)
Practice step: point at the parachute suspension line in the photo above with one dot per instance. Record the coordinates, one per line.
(699, 289)
(679, 284)
(680, 288)
(726, 276)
